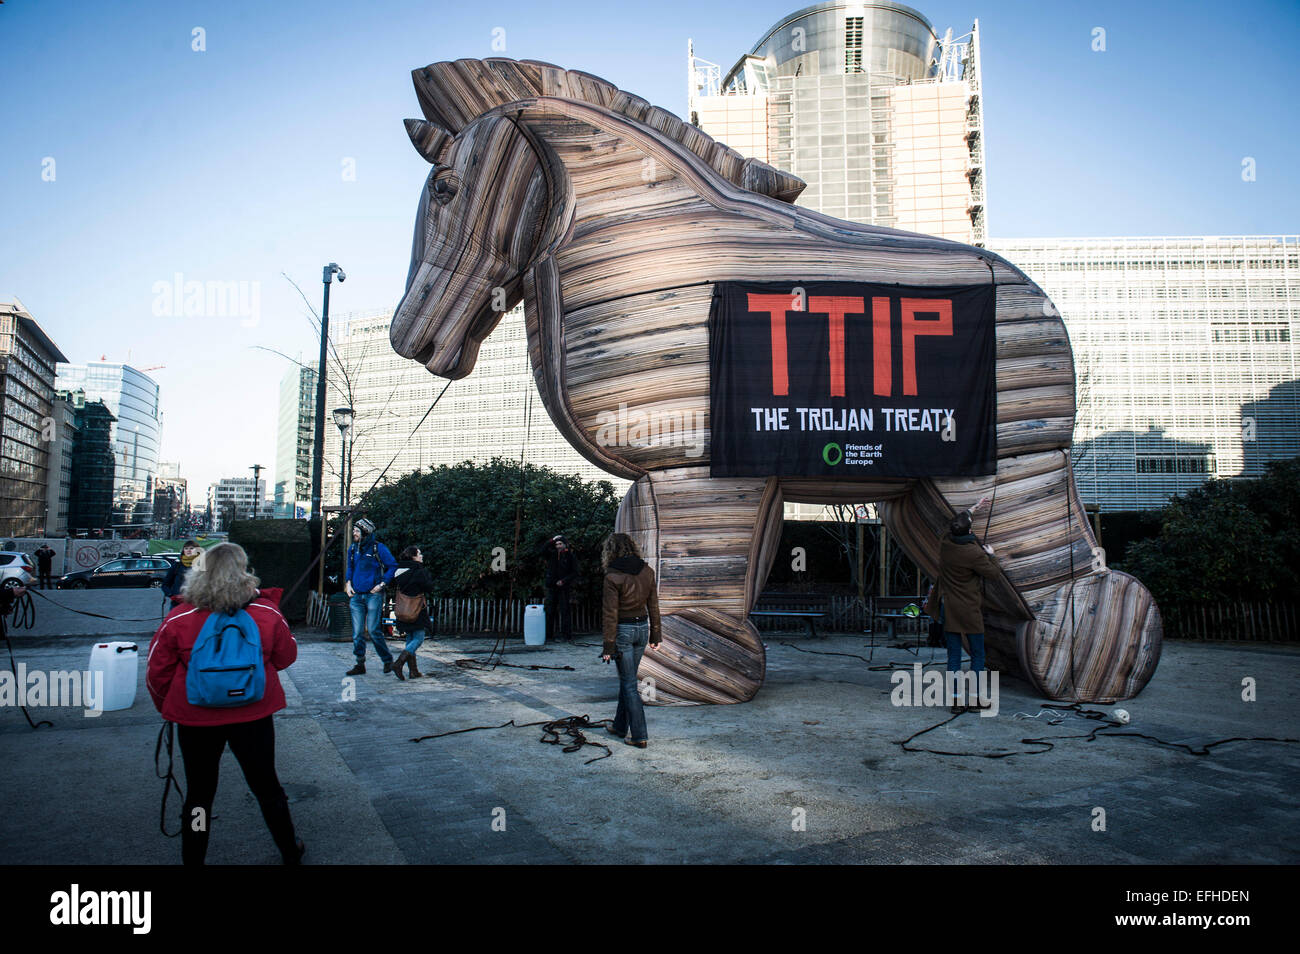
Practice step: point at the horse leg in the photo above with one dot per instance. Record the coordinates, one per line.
(1079, 631)
(711, 542)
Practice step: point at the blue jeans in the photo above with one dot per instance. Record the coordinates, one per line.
(954, 651)
(365, 623)
(630, 645)
(415, 631)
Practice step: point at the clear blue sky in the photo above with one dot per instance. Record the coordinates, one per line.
(226, 165)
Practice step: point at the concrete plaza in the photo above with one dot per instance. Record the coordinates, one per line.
(808, 772)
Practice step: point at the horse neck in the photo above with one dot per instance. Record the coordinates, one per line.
(626, 192)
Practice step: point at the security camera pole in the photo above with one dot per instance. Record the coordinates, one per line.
(318, 444)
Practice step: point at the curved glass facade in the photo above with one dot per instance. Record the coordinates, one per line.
(133, 398)
(839, 37)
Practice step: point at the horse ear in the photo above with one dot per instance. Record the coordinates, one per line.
(428, 138)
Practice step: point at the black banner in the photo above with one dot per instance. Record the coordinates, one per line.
(850, 379)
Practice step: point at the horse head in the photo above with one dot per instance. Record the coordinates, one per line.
(483, 219)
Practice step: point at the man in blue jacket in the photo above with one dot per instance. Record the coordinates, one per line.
(370, 568)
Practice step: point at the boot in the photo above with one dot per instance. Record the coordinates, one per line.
(358, 670)
(410, 666)
(388, 666)
(396, 666)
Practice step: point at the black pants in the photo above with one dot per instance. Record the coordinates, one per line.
(253, 745)
(47, 580)
(558, 617)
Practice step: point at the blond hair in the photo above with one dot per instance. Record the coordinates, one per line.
(617, 545)
(220, 579)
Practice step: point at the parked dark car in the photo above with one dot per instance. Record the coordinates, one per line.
(125, 571)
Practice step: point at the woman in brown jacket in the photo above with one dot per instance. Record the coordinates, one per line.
(630, 616)
(957, 599)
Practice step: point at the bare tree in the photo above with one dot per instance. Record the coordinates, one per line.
(342, 380)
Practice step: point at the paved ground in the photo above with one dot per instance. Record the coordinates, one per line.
(717, 784)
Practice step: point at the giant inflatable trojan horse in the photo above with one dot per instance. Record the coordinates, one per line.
(666, 278)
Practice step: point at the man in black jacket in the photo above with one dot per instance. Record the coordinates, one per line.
(561, 574)
(45, 563)
(413, 584)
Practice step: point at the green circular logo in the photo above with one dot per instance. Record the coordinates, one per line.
(828, 450)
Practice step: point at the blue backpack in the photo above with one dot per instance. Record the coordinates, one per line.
(226, 667)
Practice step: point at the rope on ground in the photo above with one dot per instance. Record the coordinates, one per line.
(1104, 722)
(4, 632)
(554, 732)
(479, 665)
(166, 735)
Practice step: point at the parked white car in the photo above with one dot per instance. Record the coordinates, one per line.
(16, 569)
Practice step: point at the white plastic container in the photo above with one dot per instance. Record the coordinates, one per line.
(119, 663)
(534, 624)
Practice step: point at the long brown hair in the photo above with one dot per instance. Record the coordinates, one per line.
(617, 545)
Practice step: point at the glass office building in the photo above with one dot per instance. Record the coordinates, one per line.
(133, 399)
(1186, 358)
(881, 116)
(27, 361)
(294, 438)
(90, 504)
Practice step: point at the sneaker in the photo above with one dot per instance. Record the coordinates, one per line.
(358, 670)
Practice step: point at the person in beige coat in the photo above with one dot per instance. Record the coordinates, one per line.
(957, 599)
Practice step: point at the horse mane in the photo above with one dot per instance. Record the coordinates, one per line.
(454, 94)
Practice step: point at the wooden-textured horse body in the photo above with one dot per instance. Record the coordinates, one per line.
(613, 220)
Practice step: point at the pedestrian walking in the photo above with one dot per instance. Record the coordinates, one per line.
(174, 581)
(630, 625)
(413, 584)
(561, 575)
(957, 598)
(220, 583)
(370, 568)
(45, 565)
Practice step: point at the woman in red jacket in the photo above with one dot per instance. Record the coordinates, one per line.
(220, 581)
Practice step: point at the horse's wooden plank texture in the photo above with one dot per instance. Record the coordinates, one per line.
(612, 220)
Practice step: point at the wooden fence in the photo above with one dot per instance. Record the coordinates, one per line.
(1242, 622)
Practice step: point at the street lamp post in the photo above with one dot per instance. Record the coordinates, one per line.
(257, 472)
(343, 420)
(318, 448)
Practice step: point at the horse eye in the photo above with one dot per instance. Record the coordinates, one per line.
(445, 186)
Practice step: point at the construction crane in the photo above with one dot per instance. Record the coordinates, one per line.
(152, 367)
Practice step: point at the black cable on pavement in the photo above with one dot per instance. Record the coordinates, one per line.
(165, 736)
(4, 632)
(554, 732)
(1104, 722)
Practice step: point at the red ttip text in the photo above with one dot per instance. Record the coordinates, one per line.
(837, 308)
